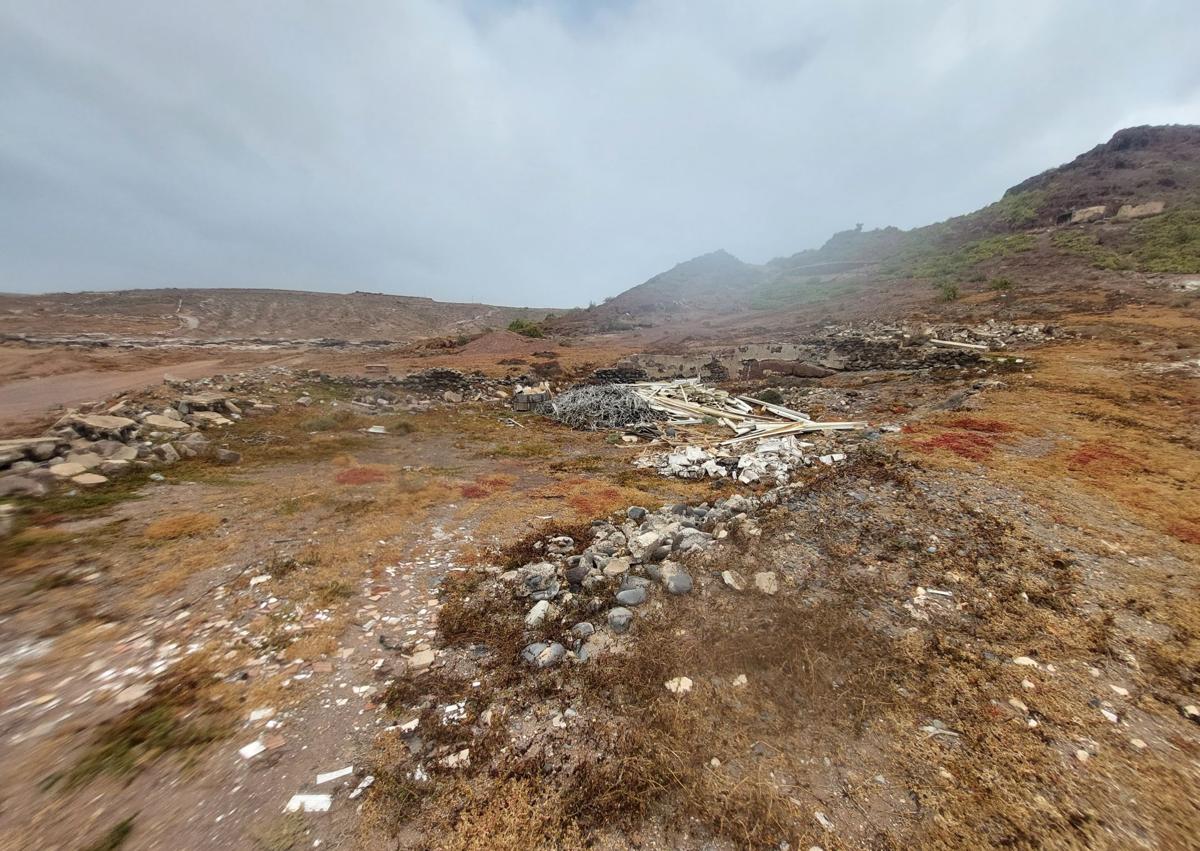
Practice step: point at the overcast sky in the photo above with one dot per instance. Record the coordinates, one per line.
(535, 153)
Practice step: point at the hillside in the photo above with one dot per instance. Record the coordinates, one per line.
(1130, 205)
(208, 314)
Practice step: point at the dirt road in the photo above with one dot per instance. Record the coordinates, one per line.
(20, 400)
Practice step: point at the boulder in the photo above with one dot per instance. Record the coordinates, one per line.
(165, 423)
(67, 470)
(87, 459)
(22, 486)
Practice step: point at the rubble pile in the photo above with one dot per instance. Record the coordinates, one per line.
(628, 565)
(418, 391)
(88, 449)
(772, 460)
(619, 375)
(601, 406)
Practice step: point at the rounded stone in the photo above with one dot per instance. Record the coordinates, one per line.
(631, 596)
(679, 583)
(619, 619)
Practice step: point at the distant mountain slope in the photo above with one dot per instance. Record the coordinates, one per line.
(249, 313)
(1067, 219)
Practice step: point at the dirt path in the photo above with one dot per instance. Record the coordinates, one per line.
(33, 396)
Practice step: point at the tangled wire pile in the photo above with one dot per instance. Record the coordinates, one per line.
(600, 407)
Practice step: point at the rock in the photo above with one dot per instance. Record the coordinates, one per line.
(172, 414)
(66, 471)
(616, 567)
(539, 581)
(304, 401)
(734, 580)
(89, 479)
(1191, 712)
(422, 659)
(679, 685)
(165, 423)
(537, 614)
(582, 629)
(132, 694)
(204, 419)
(101, 424)
(113, 467)
(166, 453)
(619, 619)
(678, 583)
(452, 396)
(577, 572)
(226, 456)
(767, 582)
(542, 655)
(44, 451)
(22, 486)
(631, 596)
(114, 450)
(636, 513)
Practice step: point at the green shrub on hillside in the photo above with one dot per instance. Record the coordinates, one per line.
(525, 328)
(1168, 243)
(1086, 244)
(934, 262)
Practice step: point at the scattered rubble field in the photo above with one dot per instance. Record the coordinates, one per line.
(935, 589)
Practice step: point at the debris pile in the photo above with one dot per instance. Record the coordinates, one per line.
(772, 460)
(688, 402)
(602, 406)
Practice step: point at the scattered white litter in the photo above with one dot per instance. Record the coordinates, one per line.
(362, 787)
(252, 750)
(309, 804)
(334, 775)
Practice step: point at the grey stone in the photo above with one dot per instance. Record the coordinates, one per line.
(679, 583)
(226, 456)
(542, 655)
(537, 614)
(114, 467)
(582, 629)
(166, 453)
(43, 451)
(619, 619)
(22, 486)
(631, 596)
(635, 513)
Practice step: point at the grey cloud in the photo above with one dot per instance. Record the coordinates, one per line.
(537, 153)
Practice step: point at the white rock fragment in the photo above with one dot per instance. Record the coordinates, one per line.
(334, 775)
(679, 685)
(252, 750)
(309, 804)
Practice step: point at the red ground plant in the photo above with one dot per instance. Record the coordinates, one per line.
(360, 476)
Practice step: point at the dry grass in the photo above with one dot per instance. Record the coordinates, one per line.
(181, 715)
(185, 525)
